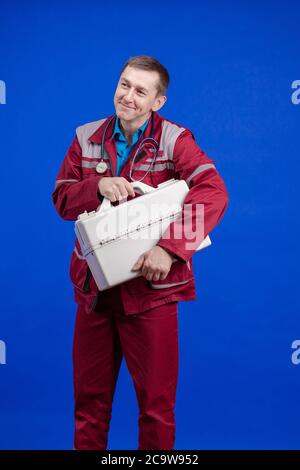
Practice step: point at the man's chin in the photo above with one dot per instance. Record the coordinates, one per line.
(124, 115)
(126, 111)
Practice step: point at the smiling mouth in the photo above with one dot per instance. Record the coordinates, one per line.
(124, 106)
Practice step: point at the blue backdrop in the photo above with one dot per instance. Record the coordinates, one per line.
(232, 66)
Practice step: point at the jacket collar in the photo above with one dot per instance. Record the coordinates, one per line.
(96, 137)
(120, 135)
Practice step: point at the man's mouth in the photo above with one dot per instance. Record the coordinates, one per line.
(124, 105)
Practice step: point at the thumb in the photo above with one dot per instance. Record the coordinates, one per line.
(139, 263)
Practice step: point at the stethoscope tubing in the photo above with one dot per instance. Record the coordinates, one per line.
(143, 142)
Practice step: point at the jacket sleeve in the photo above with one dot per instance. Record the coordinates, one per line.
(204, 204)
(72, 194)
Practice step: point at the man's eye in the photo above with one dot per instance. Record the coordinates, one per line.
(141, 93)
(124, 84)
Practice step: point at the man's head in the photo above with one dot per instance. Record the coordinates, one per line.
(141, 89)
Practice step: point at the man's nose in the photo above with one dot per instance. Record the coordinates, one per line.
(129, 95)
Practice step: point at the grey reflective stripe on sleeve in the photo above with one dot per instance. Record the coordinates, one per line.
(87, 164)
(156, 167)
(199, 169)
(65, 181)
(161, 158)
(165, 286)
(77, 254)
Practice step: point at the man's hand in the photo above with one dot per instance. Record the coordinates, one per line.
(115, 188)
(155, 264)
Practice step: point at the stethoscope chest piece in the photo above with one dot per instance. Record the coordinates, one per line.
(101, 167)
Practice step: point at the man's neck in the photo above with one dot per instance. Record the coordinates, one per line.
(129, 128)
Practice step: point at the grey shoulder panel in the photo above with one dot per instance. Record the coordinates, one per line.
(169, 135)
(86, 130)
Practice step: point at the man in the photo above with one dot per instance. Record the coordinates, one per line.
(137, 319)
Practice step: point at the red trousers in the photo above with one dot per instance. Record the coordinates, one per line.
(149, 343)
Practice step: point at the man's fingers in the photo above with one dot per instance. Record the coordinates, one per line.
(149, 276)
(155, 267)
(156, 276)
(123, 192)
(145, 269)
(137, 266)
(113, 193)
(111, 196)
(116, 188)
(129, 188)
(124, 189)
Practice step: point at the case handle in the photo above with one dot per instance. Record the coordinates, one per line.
(138, 186)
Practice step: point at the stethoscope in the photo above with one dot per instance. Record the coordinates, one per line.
(102, 165)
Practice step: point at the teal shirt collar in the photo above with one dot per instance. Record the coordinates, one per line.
(117, 131)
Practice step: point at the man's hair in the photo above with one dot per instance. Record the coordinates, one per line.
(144, 62)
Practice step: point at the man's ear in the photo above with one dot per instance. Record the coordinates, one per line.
(159, 102)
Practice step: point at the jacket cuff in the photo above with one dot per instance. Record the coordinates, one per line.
(172, 251)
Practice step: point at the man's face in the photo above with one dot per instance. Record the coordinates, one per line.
(135, 96)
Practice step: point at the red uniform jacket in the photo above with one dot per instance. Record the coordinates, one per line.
(179, 157)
